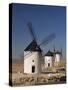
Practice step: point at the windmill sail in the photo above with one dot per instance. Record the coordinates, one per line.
(31, 31)
(48, 39)
(33, 46)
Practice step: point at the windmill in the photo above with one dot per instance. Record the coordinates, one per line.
(33, 54)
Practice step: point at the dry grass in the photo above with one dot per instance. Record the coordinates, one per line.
(37, 79)
(18, 78)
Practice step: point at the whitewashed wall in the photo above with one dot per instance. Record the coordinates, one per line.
(28, 57)
(57, 58)
(48, 59)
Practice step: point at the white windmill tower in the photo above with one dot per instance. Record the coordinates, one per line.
(57, 57)
(32, 59)
(33, 54)
(48, 58)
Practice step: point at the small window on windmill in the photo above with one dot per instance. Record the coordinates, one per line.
(32, 60)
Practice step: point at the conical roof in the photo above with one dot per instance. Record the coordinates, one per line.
(33, 47)
(57, 52)
(49, 53)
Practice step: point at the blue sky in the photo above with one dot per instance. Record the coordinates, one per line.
(45, 20)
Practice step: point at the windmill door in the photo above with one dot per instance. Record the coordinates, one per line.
(33, 69)
(48, 64)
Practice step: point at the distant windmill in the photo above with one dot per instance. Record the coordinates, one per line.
(33, 53)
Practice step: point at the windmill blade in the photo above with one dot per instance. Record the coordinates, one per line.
(31, 31)
(48, 39)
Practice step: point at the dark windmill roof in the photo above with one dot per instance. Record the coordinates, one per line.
(49, 53)
(57, 52)
(33, 47)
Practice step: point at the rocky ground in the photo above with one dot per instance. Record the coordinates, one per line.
(27, 79)
(51, 76)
